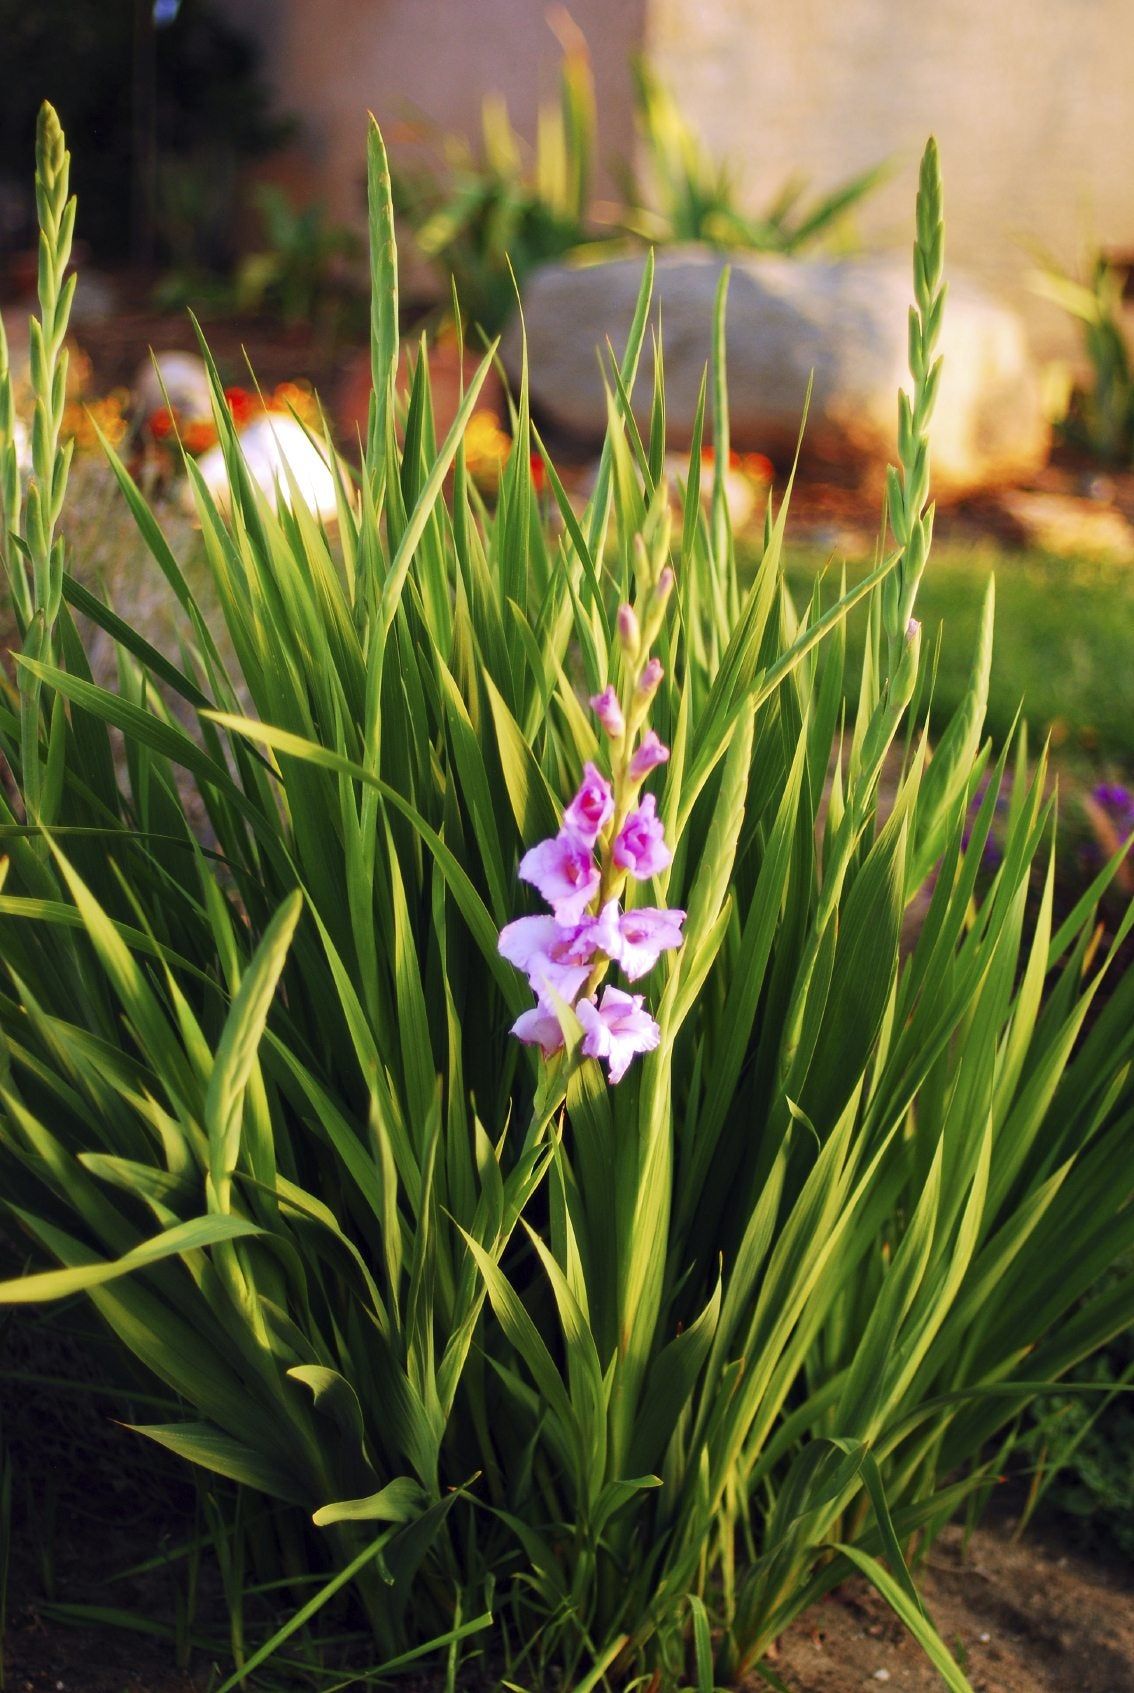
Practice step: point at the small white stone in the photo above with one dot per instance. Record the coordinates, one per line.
(984, 1637)
(273, 445)
(179, 380)
(881, 1675)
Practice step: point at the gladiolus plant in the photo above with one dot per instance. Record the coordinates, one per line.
(593, 1325)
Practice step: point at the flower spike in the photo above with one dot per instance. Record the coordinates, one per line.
(608, 835)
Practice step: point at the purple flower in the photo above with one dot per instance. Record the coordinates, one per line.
(640, 847)
(616, 1029)
(643, 935)
(539, 1027)
(650, 752)
(547, 953)
(628, 631)
(565, 872)
(1113, 797)
(609, 713)
(592, 807)
(557, 955)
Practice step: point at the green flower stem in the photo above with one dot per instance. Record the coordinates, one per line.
(911, 514)
(51, 458)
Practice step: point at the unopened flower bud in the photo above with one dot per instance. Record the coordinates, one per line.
(629, 633)
(664, 586)
(609, 713)
(650, 753)
(651, 676)
(905, 676)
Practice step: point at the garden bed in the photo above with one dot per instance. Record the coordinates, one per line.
(1027, 1617)
(1021, 1617)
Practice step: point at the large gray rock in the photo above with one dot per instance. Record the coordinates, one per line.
(844, 320)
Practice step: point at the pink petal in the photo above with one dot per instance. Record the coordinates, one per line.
(564, 871)
(596, 1035)
(650, 752)
(592, 807)
(539, 1027)
(616, 1029)
(527, 938)
(640, 847)
(548, 974)
(644, 935)
(650, 679)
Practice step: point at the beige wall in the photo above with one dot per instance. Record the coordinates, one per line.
(1032, 103)
(333, 60)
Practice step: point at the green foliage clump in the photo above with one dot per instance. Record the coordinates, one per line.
(628, 1375)
(691, 196)
(1077, 1448)
(487, 220)
(1101, 417)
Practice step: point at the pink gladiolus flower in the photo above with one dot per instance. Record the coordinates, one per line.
(592, 807)
(565, 872)
(643, 935)
(602, 933)
(650, 752)
(609, 713)
(616, 1029)
(628, 631)
(556, 955)
(640, 847)
(539, 1027)
(545, 951)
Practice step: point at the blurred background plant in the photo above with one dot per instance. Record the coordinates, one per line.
(688, 195)
(486, 219)
(303, 270)
(307, 267)
(166, 104)
(1100, 415)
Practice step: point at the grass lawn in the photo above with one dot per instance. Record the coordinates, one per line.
(1064, 642)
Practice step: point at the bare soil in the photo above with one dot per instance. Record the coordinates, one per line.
(1020, 1617)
